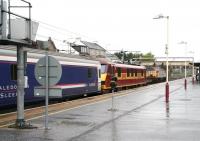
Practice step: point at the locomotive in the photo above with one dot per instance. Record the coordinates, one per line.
(155, 74)
(126, 75)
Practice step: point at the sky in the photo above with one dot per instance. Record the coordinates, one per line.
(122, 24)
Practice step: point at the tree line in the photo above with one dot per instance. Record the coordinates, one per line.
(132, 57)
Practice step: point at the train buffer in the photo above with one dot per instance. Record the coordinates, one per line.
(142, 114)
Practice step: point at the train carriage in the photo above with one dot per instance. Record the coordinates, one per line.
(126, 75)
(155, 74)
(129, 75)
(79, 76)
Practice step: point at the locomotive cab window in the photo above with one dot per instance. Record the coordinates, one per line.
(103, 68)
(89, 72)
(13, 71)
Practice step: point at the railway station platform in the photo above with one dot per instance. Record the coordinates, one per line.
(140, 115)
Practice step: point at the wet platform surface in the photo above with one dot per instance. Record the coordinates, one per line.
(141, 115)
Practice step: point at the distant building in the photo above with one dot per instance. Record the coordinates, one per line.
(46, 45)
(89, 49)
(176, 65)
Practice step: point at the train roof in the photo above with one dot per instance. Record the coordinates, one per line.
(107, 61)
(129, 66)
(9, 53)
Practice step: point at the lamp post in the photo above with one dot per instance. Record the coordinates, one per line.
(123, 53)
(192, 66)
(185, 81)
(192, 70)
(166, 52)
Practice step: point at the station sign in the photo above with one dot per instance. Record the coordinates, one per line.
(54, 71)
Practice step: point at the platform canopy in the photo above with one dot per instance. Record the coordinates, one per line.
(197, 64)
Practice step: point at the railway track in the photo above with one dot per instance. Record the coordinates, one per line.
(9, 118)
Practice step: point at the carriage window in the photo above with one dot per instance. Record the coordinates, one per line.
(13, 71)
(135, 72)
(142, 73)
(119, 71)
(128, 72)
(89, 72)
(132, 72)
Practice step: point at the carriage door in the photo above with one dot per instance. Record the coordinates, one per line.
(89, 79)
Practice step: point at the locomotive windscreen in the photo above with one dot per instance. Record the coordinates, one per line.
(103, 68)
